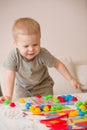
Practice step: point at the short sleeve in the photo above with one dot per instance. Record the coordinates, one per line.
(47, 58)
(11, 60)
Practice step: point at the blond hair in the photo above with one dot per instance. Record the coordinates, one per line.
(26, 26)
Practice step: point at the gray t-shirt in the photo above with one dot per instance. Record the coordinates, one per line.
(30, 73)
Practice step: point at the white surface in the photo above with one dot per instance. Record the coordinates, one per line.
(3, 126)
(81, 96)
(82, 75)
(13, 120)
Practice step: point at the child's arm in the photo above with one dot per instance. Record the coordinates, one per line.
(9, 84)
(64, 71)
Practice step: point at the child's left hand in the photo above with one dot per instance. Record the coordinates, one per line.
(75, 83)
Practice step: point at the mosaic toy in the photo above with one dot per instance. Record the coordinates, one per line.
(56, 110)
(49, 104)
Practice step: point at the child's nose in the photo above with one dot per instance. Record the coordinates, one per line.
(30, 48)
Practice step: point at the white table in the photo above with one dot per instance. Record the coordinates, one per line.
(12, 118)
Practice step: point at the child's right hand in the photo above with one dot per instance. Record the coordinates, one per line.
(3, 98)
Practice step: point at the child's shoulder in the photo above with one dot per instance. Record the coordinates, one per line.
(13, 54)
(14, 51)
(44, 50)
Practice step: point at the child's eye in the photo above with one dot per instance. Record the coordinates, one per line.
(25, 46)
(35, 45)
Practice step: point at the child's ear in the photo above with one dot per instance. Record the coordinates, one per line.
(14, 42)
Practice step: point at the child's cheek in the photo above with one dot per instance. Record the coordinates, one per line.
(23, 51)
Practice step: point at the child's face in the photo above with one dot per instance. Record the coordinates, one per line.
(28, 45)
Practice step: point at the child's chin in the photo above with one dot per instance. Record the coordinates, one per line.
(30, 57)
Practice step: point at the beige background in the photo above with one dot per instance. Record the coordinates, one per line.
(63, 26)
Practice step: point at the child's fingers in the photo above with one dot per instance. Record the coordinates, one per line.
(8, 98)
(2, 98)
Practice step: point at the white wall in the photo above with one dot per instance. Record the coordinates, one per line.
(63, 25)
